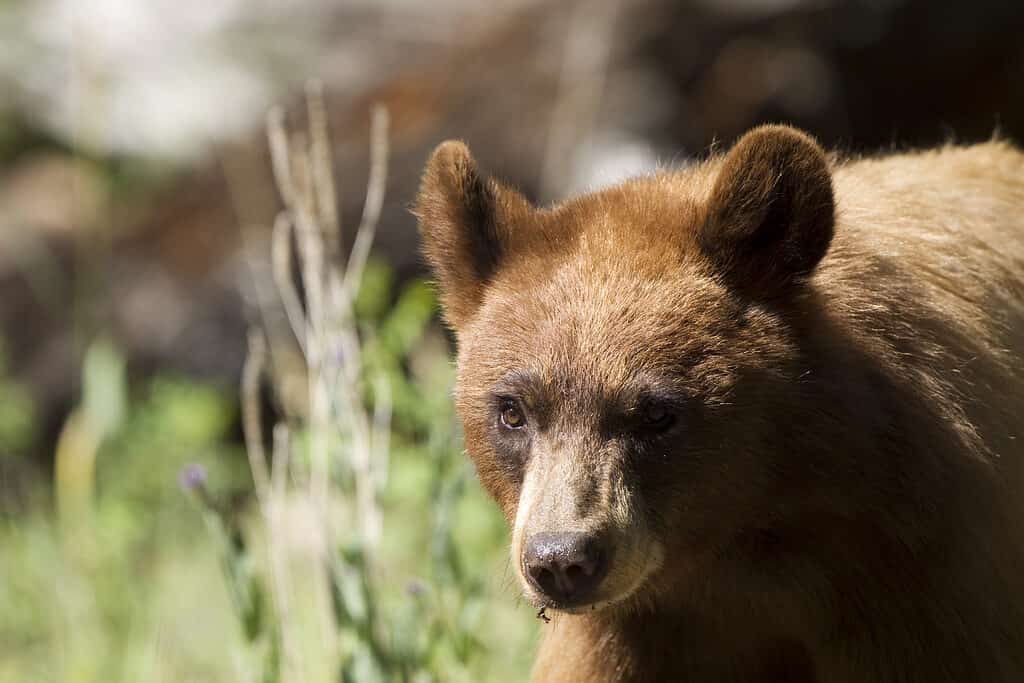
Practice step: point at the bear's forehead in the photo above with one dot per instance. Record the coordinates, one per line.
(650, 220)
(608, 290)
(604, 320)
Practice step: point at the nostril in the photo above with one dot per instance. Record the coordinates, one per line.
(544, 579)
(564, 566)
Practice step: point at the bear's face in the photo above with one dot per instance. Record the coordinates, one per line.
(609, 347)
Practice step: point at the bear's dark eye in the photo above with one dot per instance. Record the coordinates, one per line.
(511, 414)
(656, 417)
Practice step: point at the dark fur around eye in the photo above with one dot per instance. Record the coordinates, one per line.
(510, 435)
(654, 418)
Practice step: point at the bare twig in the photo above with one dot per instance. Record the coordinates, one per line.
(323, 322)
(280, 158)
(279, 466)
(375, 188)
(270, 499)
(327, 207)
(252, 415)
(311, 252)
(277, 546)
(281, 261)
(309, 237)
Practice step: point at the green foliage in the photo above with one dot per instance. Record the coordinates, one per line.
(103, 388)
(424, 606)
(135, 590)
(130, 590)
(16, 414)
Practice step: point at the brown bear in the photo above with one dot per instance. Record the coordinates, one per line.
(756, 419)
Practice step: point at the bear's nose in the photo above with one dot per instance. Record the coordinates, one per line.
(566, 567)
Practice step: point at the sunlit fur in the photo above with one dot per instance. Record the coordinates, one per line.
(841, 500)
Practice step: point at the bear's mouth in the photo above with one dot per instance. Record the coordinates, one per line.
(587, 605)
(581, 607)
(620, 587)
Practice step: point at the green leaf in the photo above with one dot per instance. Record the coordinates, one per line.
(374, 292)
(409, 318)
(17, 418)
(104, 388)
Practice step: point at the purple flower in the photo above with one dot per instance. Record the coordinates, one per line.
(192, 476)
(415, 587)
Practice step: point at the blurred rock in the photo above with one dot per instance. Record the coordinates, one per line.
(655, 81)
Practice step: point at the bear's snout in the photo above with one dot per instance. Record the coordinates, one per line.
(565, 567)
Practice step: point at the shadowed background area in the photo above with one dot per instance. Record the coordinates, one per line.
(137, 200)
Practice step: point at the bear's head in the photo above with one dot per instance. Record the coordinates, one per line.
(626, 360)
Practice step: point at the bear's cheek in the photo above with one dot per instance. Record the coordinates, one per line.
(499, 466)
(688, 487)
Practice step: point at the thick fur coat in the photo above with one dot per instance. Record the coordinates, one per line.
(784, 391)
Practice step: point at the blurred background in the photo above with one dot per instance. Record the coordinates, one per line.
(138, 264)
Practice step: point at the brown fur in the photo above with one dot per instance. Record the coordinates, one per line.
(840, 497)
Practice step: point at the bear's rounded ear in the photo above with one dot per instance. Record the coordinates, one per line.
(771, 213)
(465, 224)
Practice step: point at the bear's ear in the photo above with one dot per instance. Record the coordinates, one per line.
(465, 224)
(771, 213)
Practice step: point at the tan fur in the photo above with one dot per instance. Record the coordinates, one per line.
(841, 497)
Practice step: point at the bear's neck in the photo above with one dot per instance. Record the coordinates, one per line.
(673, 645)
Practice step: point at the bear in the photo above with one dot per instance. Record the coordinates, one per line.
(759, 418)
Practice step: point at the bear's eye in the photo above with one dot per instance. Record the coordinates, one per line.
(656, 417)
(511, 414)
